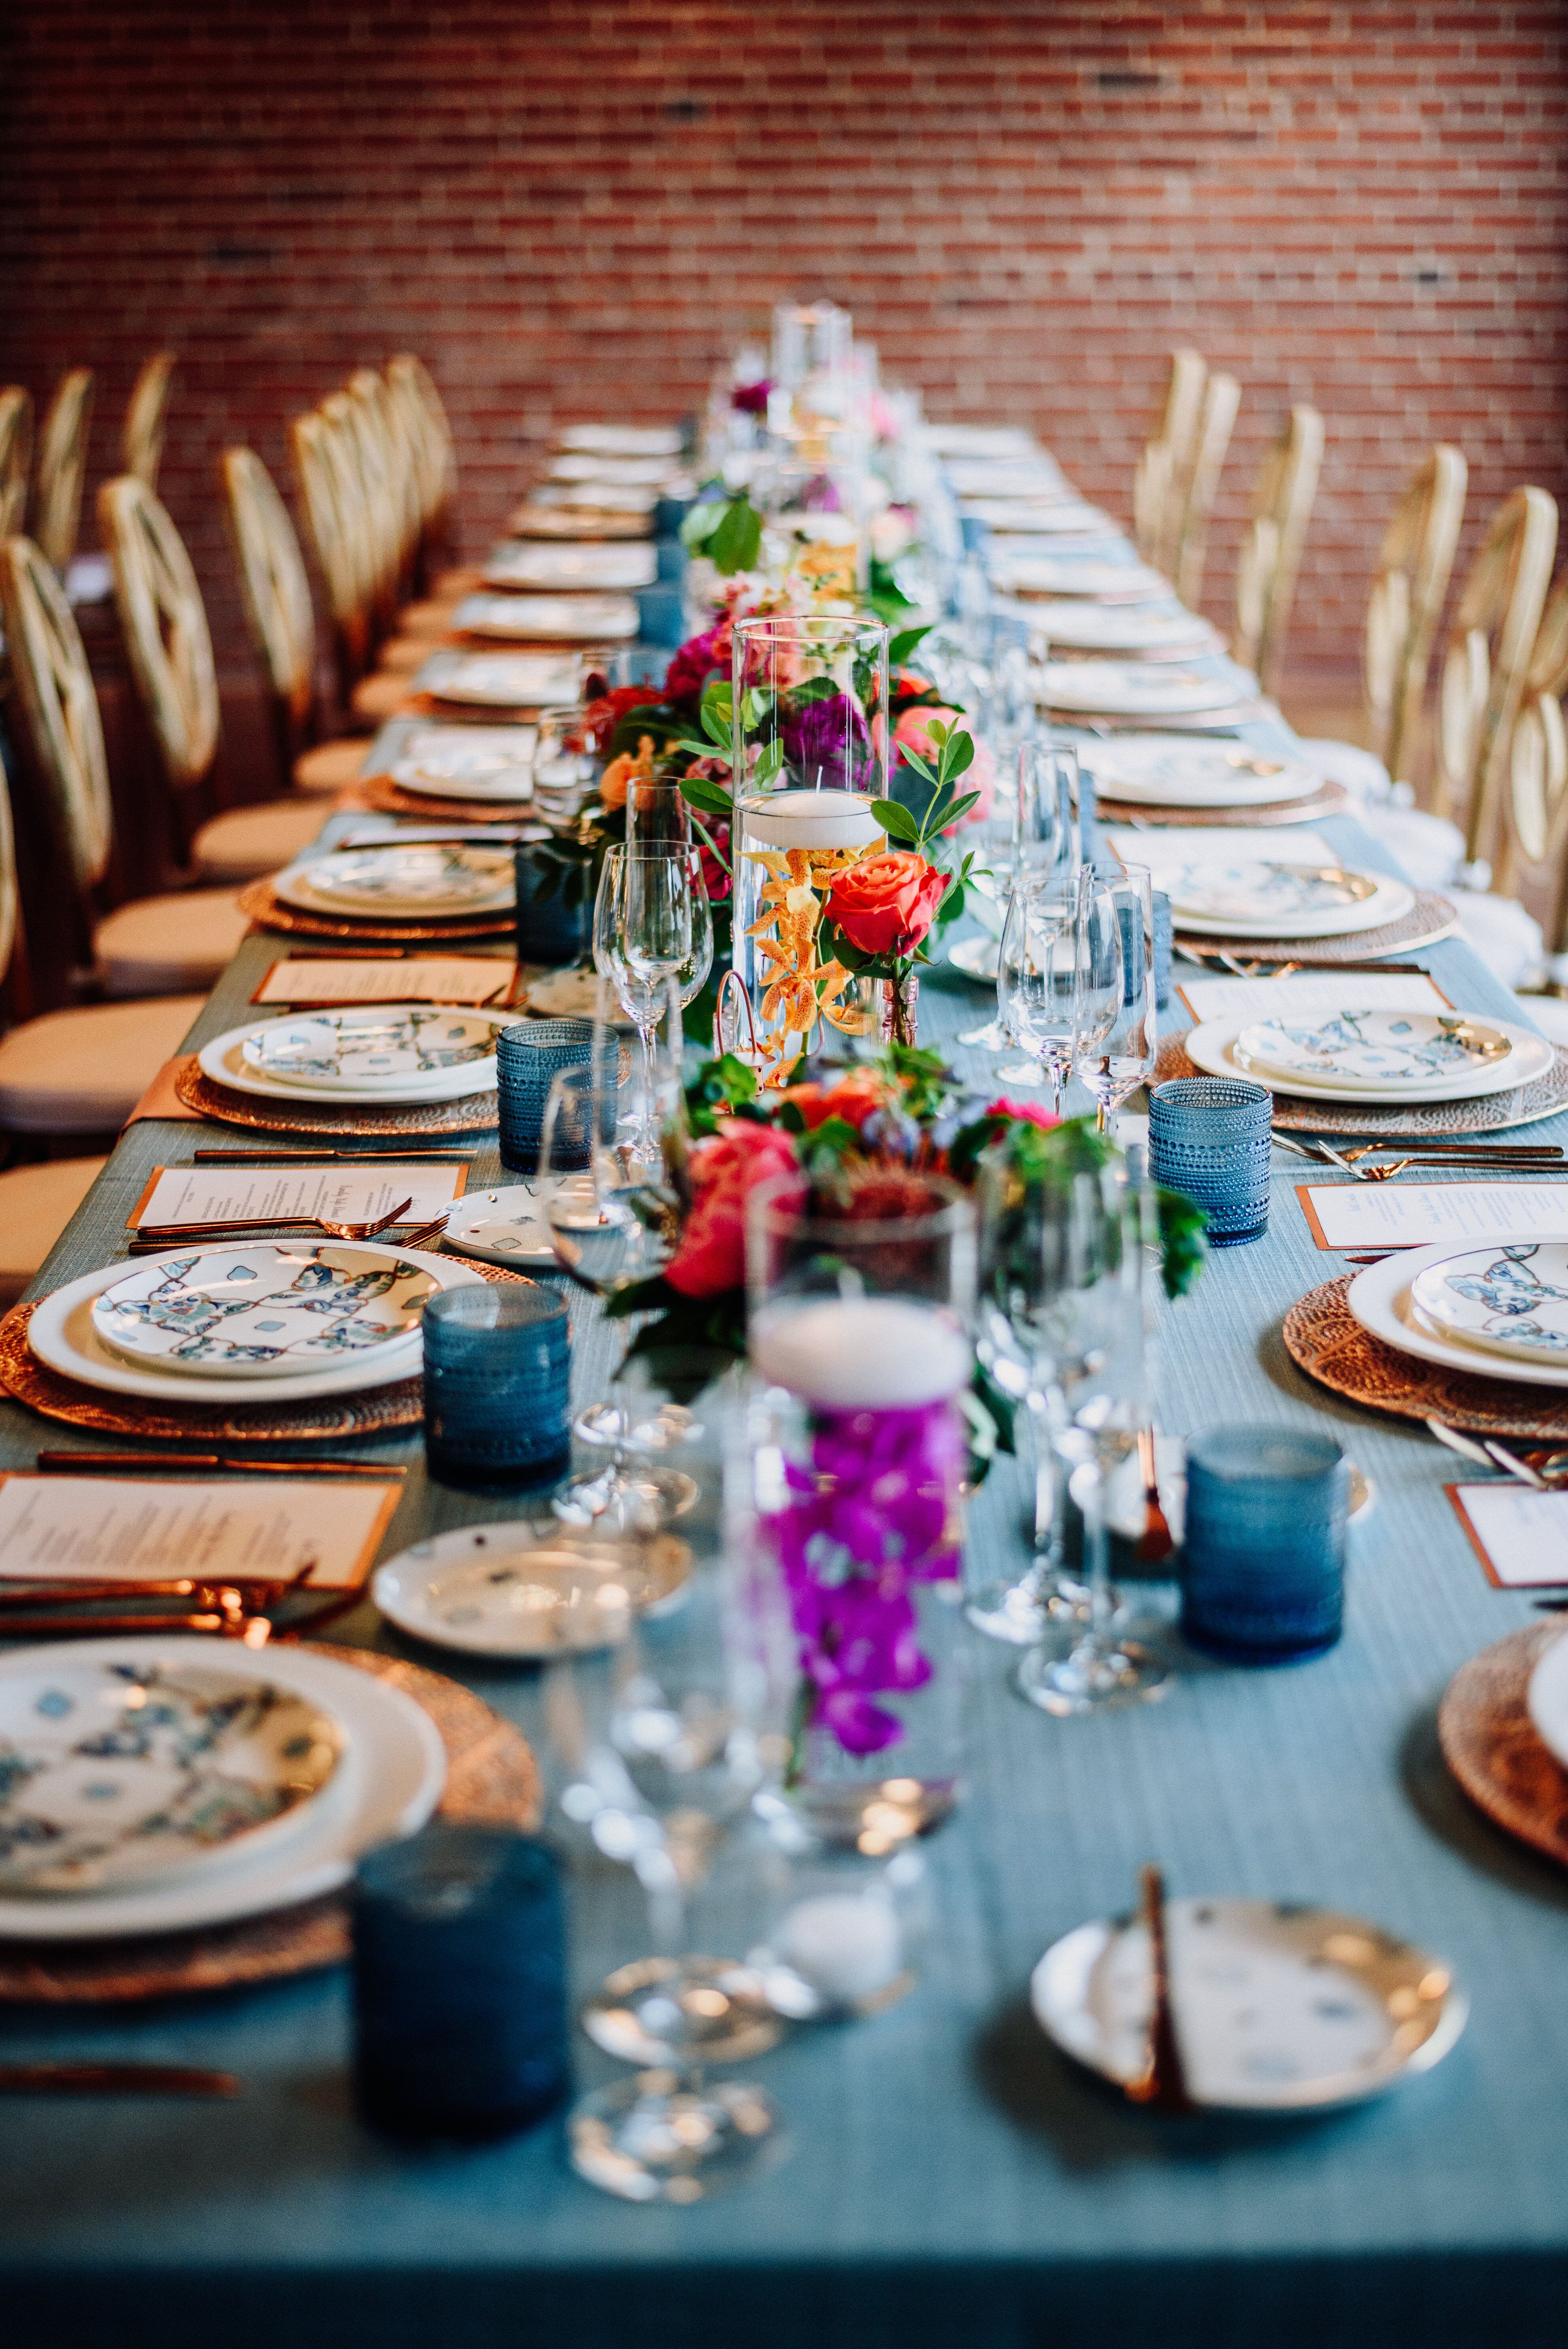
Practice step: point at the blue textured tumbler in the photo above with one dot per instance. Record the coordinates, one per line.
(1264, 1553)
(1211, 1138)
(460, 1984)
(527, 1054)
(497, 1381)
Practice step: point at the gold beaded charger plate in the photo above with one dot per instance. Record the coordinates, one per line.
(1323, 1338)
(1414, 1122)
(471, 1113)
(1495, 1750)
(259, 901)
(1431, 917)
(1331, 799)
(492, 1779)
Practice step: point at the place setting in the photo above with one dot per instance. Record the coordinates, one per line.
(1138, 691)
(453, 682)
(1022, 571)
(404, 891)
(371, 1070)
(1181, 780)
(518, 617)
(471, 773)
(528, 567)
(1299, 903)
(1072, 625)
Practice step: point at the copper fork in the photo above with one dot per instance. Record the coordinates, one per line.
(170, 1234)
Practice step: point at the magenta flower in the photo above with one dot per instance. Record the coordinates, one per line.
(827, 742)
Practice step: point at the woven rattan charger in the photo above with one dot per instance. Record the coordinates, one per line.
(491, 1778)
(1492, 1746)
(380, 794)
(1323, 1338)
(472, 1114)
(1430, 918)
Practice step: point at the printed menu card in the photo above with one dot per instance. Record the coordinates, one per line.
(140, 1529)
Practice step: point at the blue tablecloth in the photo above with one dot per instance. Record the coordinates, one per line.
(953, 2181)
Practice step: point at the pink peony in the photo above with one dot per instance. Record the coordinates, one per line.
(725, 1169)
(1026, 1112)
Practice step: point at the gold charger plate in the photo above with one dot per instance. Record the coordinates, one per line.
(264, 906)
(1323, 1338)
(473, 1113)
(1136, 815)
(1430, 918)
(1494, 1748)
(1416, 1122)
(492, 1779)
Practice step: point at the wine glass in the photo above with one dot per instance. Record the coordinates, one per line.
(1045, 826)
(658, 816)
(1118, 1031)
(566, 761)
(1037, 976)
(1093, 1371)
(653, 925)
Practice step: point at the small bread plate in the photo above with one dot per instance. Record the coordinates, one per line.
(1509, 1298)
(506, 1226)
(468, 763)
(416, 879)
(1175, 770)
(1381, 1052)
(388, 1779)
(1268, 898)
(62, 1334)
(522, 1592)
(1382, 1300)
(1279, 2006)
(564, 570)
(1215, 1048)
(225, 1062)
(367, 1048)
(977, 958)
(501, 680)
(267, 1308)
(1133, 689)
(564, 619)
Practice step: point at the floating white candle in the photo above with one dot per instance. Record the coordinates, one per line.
(862, 1353)
(845, 1945)
(817, 819)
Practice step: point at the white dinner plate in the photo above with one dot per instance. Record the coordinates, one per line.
(534, 523)
(621, 439)
(1010, 476)
(1053, 575)
(1548, 1700)
(468, 763)
(262, 1308)
(564, 619)
(1379, 1298)
(224, 1060)
(524, 1591)
(600, 466)
(979, 441)
(506, 1226)
(598, 496)
(1213, 1047)
(1040, 517)
(1376, 1051)
(1267, 897)
(1133, 689)
(543, 570)
(977, 958)
(569, 994)
(1175, 770)
(387, 1783)
(500, 680)
(415, 880)
(119, 1775)
(1509, 1298)
(370, 1045)
(1279, 2006)
(62, 1336)
(1072, 625)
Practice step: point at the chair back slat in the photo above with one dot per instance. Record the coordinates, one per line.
(62, 467)
(1222, 399)
(364, 452)
(1406, 603)
(1491, 647)
(275, 589)
(164, 625)
(328, 506)
(1535, 803)
(59, 710)
(16, 456)
(1163, 468)
(146, 419)
(1270, 560)
(440, 468)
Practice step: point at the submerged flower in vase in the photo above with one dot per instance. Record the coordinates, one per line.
(827, 741)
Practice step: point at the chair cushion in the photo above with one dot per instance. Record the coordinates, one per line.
(1506, 937)
(254, 840)
(83, 1071)
(376, 698)
(331, 766)
(433, 618)
(402, 656)
(448, 585)
(167, 946)
(37, 1203)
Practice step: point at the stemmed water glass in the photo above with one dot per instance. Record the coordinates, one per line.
(1039, 829)
(653, 927)
(1038, 971)
(1118, 1026)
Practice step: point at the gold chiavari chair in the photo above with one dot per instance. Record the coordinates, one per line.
(1406, 603)
(62, 467)
(1217, 415)
(1166, 462)
(1535, 803)
(16, 456)
(1270, 560)
(332, 527)
(1491, 647)
(382, 421)
(363, 459)
(411, 380)
(146, 416)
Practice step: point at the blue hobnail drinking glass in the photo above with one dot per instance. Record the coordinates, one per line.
(498, 1377)
(529, 1054)
(1264, 1562)
(1209, 1137)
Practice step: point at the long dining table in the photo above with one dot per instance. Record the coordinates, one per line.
(951, 2180)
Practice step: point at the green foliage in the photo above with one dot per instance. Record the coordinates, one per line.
(1053, 1155)
(901, 647)
(737, 539)
(720, 1085)
(693, 1339)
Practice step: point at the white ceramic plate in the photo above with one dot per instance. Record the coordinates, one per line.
(1040, 517)
(598, 496)
(61, 1334)
(370, 1045)
(532, 523)
(979, 441)
(1268, 898)
(1174, 771)
(387, 1783)
(468, 763)
(266, 1309)
(1133, 689)
(511, 1589)
(977, 958)
(500, 680)
(420, 880)
(121, 1775)
(1510, 1299)
(616, 570)
(565, 619)
(1280, 2007)
(1548, 1700)
(1051, 576)
(1212, 1047)
(1071, 625)
(599, 466)
(570, 993)
(1035, 476)
(621, 439)
(223, 1060)
(1380, 1299)
(1376, 1051)
(506, 1226)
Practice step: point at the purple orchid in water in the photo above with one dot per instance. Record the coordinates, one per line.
(825, 742)
(868, 1519)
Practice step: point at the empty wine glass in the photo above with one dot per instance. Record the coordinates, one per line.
(652, 926)
(567, 758)
(1118, 1031)
(1037, 978)
(1046, 827)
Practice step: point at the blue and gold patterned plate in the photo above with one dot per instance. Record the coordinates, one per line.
(1386, 1051)
(122, 1774)
(424, 878)
(1509, 1298)
(264, 1310)
(369, 1047)
(1267, 897)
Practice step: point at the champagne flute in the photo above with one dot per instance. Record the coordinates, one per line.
(1037, 978)
(652, 925)
(1118, 1034)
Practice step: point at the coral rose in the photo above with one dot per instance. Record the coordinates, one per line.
(852, 1097)
(885, 904)
(725, 1169)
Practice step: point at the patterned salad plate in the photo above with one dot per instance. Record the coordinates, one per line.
(1269, 898)
(1173, 771)
(500, 680)
(1133, 689)
(468, 763)
(517, 1590)
(1511, 1298)
(598, 466)
(1279, 2006)
(390, 1771)
(1215, 1048)
(597, 495)
(1070, 624)
(505, 1227)
(223, 1062)
(1376, 1051)
(533, 520)
(1050, 517)
(63, 1335)
(118, 1774)
(369, 1047)
(565, 619)
(545, 570)
(1382, 1300)
(421, 879)
(1034, 476)
(277, 1309)
(1019, 574)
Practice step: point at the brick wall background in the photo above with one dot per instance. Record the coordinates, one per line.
(573, 207)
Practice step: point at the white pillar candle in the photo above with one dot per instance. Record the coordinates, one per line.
(846, 1945)
(810, 820)
(862, 1353)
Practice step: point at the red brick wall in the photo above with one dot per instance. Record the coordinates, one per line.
(574, 208)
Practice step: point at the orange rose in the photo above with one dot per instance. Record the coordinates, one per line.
(852, 1097)
(885, 904)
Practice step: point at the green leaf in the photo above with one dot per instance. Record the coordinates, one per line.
(814, 689)
(701, 524)
(738, 541)
(912, 759)
(957, 753)
(950, 905)
(957, 809)
(755, 704)
(791, 1118)
(895, 820)
(904, 644)
(768, 765)
(701, 791)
